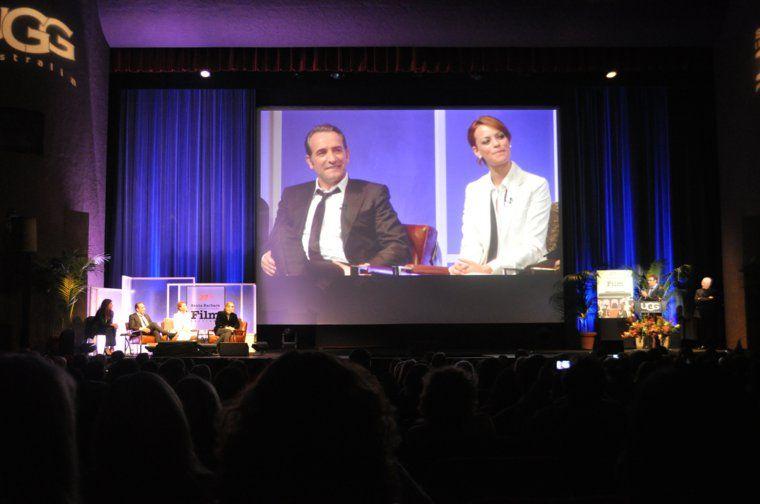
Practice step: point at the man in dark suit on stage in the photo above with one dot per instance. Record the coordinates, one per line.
(654, 291)
(141, 322)
(706, 314)
(336, 221)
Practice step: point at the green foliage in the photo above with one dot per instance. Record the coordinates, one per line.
(576, 294)
(65, 278)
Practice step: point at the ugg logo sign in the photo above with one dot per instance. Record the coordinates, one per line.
(43, 35)
(650, 307)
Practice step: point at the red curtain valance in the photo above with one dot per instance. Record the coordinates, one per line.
(407, 59)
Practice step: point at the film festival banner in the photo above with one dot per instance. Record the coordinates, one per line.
(204, 302)
(614, 293)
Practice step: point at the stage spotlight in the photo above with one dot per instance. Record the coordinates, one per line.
(205, 74)
(336, 75)
(611, 74)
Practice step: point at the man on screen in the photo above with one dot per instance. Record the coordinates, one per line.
(335, 221)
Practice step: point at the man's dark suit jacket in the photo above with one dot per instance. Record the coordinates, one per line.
(134, 321)
(370, 229)
(658, 293)
(223, 321)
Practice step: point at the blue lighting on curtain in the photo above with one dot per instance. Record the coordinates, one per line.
(185, 192)
(622, 184)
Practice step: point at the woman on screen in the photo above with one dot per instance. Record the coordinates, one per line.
(506, 211)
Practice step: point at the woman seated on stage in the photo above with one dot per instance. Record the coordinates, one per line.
(506, 211)
(183, 323)
(226, 322)
(104, 324)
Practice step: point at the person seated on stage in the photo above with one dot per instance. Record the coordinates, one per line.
(183, 323)
(654, 291)
(141, 322)
(226, 322)
(334, 221)
(104, 324)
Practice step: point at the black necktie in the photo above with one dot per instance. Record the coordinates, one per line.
(493, 245)
(316, 225)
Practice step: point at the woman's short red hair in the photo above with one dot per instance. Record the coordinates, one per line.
(486, 121)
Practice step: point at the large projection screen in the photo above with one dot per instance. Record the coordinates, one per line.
(425, 160)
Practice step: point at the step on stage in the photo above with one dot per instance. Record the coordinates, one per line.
(195, 350)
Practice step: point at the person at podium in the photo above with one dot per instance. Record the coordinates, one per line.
(334, 221)
(654, 291)
(506, 211)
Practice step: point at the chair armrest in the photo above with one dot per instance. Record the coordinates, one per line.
(423, 269)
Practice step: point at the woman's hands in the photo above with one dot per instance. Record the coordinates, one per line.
(465, 266)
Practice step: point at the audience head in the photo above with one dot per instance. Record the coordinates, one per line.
(488, 370)
(585, 381)
(201, 370)
(229, 381)
(438, 360)
(320, 429)
(504, 392)
(121, 368)
(172, 370)
(706, 283)
(94, 370)
(117, 356)
(39, 461)
(149, 366)
(361, 357)
(201, 405)
(469, 370)
(413, 381)
(527, 370)
(448, 397)
(162, 454)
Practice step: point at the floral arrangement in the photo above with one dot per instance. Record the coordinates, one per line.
(651, 330)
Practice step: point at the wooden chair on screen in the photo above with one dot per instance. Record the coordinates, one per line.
(553, 234)
(424, 240)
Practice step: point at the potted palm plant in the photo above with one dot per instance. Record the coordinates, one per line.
(64, 280)
(576, 295)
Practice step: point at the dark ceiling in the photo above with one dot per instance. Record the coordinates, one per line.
(300, 23)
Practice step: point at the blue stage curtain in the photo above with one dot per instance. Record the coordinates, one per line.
(185, 198)
(619, 202)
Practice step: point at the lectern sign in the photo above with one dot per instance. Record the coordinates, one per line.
(650, 307)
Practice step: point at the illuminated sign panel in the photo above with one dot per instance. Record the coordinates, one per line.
(30, 32)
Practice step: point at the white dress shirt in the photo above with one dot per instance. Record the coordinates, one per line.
(330, 241)
(143, 321)
(522, 204)
(183, 325)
